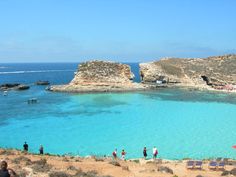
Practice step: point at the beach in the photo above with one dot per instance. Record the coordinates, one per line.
(34, 165)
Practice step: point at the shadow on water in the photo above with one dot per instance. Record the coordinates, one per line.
(184, 95)
(58, 105)
(105, 101)
(78, 113)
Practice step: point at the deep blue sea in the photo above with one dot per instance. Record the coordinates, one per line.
(179, 123)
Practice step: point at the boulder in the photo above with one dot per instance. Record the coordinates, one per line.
(8, 86)
(22, 87)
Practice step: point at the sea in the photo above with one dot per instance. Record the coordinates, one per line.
(180, 123)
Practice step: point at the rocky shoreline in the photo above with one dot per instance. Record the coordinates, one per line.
(212, 73)
(14, 86)
(34, 165)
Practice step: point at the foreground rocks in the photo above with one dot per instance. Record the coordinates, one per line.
(33, 165)
(231, 172)
(101, 76)
(215, 72)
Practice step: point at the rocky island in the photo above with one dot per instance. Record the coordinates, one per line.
(206, 73)
(101, 76)
(14, 86)
(212, 73)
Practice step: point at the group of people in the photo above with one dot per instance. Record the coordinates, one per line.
(123, 153)
(26, 148)
(154, 152)
(114, 153)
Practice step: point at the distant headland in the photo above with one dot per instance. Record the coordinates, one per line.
(212, 73)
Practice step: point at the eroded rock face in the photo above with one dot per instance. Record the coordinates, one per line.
(101, 76)
(102, 72)
(211, 71)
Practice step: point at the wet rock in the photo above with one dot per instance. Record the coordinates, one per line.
(8, 86)
(22, 87)
(42, 83)
(14, 86)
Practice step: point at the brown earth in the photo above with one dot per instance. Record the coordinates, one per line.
(34, 165)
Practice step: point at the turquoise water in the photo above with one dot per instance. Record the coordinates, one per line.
(98, 123)
(180, 123)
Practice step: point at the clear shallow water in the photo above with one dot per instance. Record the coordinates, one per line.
(180, 123)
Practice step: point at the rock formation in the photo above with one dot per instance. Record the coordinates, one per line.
(101, 76)
(14, 86)
(103, 72)
(211, 71)
(42, 82)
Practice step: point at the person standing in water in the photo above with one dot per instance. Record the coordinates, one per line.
(155, 152)
(123, 153)
(41, 149)
(26, 147)
(145, 153)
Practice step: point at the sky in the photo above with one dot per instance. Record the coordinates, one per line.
(119, 30)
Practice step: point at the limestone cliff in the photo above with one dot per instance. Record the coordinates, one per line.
(101, 76)
(103, 72)
(211, 71)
